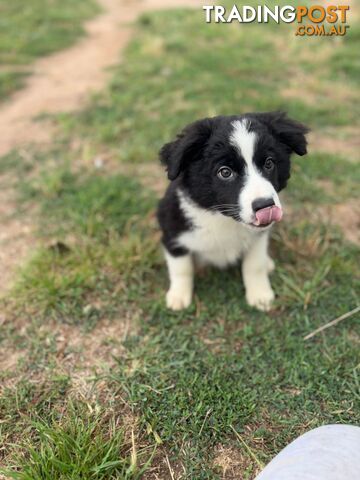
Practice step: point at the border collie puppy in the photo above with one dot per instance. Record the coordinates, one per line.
(222, 200)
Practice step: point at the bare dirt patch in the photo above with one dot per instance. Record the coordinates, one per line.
(346, 216)
(8, 361)
(311, 90)
(164, 467)
(230, 462)
(343, 141)
(15, 235)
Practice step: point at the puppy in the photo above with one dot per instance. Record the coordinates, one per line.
(226, 173)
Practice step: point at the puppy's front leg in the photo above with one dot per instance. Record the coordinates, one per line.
(255, 270)
(181, 274)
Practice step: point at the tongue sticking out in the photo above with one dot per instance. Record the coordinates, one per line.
(267, 215)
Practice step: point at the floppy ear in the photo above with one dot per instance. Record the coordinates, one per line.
(289, 132)
(188, 146)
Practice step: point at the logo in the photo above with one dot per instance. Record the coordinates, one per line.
(316, 20)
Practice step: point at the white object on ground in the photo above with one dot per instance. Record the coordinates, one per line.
(331, 452)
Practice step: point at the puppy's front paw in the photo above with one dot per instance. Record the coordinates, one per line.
(260, 299)
(177, 299)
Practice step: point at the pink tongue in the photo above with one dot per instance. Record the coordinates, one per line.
(267, 215)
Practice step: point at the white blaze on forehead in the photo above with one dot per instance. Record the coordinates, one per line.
(255, 184)
(243, 140)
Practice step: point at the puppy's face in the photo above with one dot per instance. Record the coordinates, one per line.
(237, 165)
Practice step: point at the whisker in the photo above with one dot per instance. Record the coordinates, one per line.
(223, 209)
(224, 206)
(232, 212)
(227, 209)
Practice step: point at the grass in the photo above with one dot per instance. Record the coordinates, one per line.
(105, 245)
(38, 28)
(78, 445)
(218, 376)
(322, 170)
(194, 87)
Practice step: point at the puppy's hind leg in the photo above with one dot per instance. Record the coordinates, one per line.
(181, 274)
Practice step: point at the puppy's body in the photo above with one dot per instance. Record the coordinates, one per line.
(213, 238)
(226, 173)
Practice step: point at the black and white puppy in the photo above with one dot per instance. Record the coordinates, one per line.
(222, 200)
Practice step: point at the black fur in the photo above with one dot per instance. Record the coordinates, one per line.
(192, 161)
(172, 220)
(289, 132)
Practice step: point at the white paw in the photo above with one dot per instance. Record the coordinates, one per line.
(177, 299)
(270, 266)
(260, 299)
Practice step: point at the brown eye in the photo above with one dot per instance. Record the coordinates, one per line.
(269, 164)
(225, 173)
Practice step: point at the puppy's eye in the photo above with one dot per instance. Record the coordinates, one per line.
(225, 173)
(269, 164)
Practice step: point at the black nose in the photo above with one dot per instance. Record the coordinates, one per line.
(260, 203)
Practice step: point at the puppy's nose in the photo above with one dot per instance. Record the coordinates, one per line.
(261, 203)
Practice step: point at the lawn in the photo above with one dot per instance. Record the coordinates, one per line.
(32, 29)
(102, 381)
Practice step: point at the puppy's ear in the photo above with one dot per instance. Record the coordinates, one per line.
(289, 132)
(187, 147)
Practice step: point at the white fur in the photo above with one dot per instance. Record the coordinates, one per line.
(256, 186)
(243, 139)
(255, 268)
(181, 273)
(215, 239)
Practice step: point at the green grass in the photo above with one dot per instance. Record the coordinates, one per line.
(219, 374)
(33, 29)
(78, 445)
(220, 75)
(340, 176)
(10, 81)
(91, 221)
(94, 206)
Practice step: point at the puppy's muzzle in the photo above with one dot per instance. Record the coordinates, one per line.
(266, 211)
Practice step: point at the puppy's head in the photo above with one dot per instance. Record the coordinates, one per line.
(236, 165)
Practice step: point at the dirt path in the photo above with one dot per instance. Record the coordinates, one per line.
(61, 83)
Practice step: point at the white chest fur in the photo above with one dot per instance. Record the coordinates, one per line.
(215, 239)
